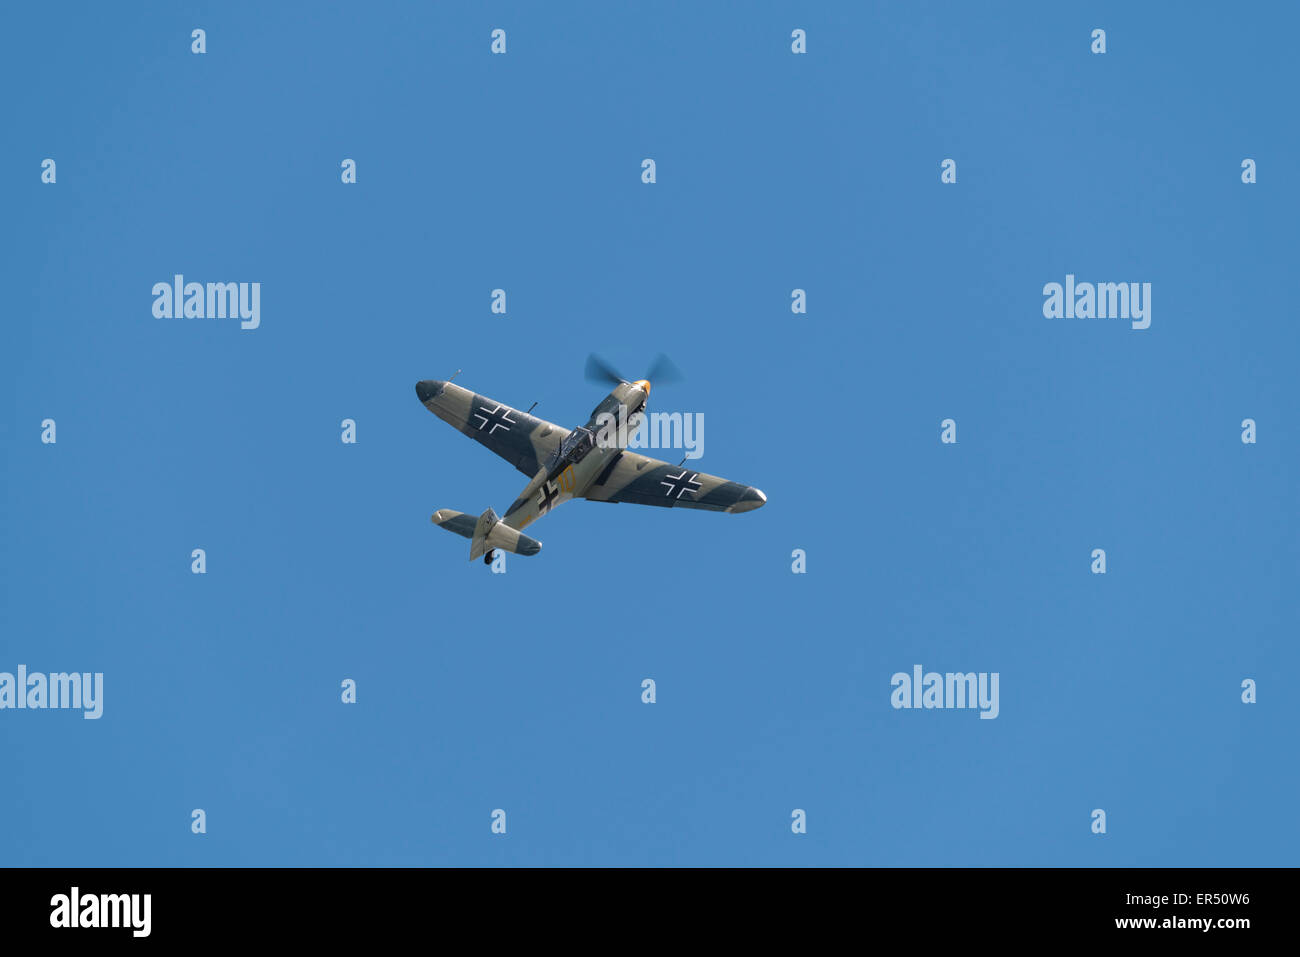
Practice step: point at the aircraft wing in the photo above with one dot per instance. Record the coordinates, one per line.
(641, 480)
(521, 439)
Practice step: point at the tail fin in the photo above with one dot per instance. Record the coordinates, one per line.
(486, 532)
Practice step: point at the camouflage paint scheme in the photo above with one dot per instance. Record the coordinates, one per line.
(564, 464)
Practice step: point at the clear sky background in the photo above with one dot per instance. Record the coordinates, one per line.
(522, 691)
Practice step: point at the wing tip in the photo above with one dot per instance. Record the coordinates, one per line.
(427, 390)
(749, 500)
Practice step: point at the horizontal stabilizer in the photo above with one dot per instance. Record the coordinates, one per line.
(485, 532)
(452, 521)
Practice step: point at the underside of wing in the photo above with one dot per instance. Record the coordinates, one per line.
(641, 480)
(521, 439)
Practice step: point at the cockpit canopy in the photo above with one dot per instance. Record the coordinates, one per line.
(576, 444)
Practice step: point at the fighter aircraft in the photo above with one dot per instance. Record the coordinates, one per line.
(589, 461)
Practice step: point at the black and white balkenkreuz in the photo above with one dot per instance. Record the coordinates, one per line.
(498, 418)
(549, 493)
(685, 482)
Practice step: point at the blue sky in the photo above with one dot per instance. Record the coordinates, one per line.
(522, 691)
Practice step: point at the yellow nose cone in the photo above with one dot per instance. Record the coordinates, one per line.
(643, 385)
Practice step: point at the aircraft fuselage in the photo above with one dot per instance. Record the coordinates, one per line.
(584, 455)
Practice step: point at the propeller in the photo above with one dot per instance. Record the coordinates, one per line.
(598, 370)
(662, 371)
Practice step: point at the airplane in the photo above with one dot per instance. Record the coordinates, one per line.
(562, 464)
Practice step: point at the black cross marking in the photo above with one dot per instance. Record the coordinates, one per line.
(549, 495)
(681, 483)
(498, 417)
